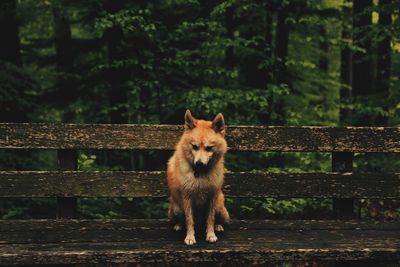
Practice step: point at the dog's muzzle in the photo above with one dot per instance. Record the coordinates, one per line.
(200, 168)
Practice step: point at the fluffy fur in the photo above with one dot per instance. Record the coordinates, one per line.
(195, 176)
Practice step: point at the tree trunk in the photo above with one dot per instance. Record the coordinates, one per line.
(281, 46)
(362, 63)
(252, 75)
(16, 104)
(62, 38)
(323, 63)
(265, 117)
(281, 53)
(117, 93)
(10, 45)
(66, 89)
(345, 70)
(383, 63)
(269, 27)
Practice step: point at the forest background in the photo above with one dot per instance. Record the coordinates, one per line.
(300, 62)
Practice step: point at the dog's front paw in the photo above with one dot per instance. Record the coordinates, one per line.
(177, 227)
(218, 228)
(190, 240)
(211, 237)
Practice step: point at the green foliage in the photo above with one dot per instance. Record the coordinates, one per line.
(85, 162)
(272, 208)
(166, 56)
(18, 92)
(213, 100)
(27, 208)
(95, 208)
(130, 21)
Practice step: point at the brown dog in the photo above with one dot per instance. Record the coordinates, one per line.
(196, 175)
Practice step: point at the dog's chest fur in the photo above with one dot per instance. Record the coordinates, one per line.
(201, 189)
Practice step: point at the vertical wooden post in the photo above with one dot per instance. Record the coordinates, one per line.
(67, 206)
(343, 208)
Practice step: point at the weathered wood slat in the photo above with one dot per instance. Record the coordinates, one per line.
(238, 184)
(73, 241)
(87, 235)
(245, 138)
(222, 252)
(8, 226)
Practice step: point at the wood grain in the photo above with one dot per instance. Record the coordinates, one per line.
(110, 241)
(7, 226)
(164, 137)
(238, 184)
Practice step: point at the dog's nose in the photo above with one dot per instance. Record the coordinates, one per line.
(199, 164)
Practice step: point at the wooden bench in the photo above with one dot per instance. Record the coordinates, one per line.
(67, 240)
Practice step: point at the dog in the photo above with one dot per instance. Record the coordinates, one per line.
(195, 176)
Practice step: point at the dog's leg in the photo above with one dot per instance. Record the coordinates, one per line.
(218, 228)
(210, 234)
(174, 215)
(187, 208)
(222, 212)
(224, 215)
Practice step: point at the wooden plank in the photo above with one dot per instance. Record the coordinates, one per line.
(164, 137)
(226, 252)
(238, 184)
(8, 226)
(143, 234)
(72, 241)
(67, 207)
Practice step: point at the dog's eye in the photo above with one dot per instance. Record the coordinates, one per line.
(195, 147)
(209, 148)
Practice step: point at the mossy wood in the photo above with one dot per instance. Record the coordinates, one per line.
(69, 241)
(100, 241)
(237, 184)
(156, 137)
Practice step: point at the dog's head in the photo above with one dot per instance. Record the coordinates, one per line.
(204, 142)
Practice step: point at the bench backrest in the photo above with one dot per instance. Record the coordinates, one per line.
(69, 183)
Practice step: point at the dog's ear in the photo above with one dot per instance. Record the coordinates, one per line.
(218, 124)
(190, 122)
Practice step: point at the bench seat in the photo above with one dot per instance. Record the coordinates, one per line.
(67, 241)
(95, 241)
